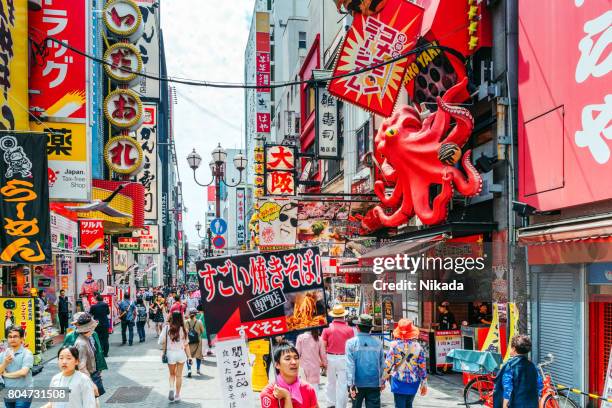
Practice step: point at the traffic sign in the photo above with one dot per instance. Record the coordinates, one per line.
(218, 242)
(218, 226)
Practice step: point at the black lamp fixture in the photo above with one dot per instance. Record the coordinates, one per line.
(485, 164)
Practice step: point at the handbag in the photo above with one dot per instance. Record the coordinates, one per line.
(193, 336)
(165, 354)
(96, 378)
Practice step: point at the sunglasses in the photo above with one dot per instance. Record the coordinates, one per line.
(284, 217)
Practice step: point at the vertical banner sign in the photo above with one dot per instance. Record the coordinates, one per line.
(326, 125)
(370, 41)
(279, 170)
(24, 199)
(240, 217)
(69, 171)
(148, 45)
(259, 171)
(14, 56)
(149, 239)
(262, 73)
(57, 79)
(263, 294)
(234, 372)
(19, 311)
(91, 236)
(147, 175)
(277, 224)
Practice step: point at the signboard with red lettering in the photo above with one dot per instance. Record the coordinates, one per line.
(371, 41)
(279, 169)
(91, 236)
(565, 104)
(263, 294)
(57, 80)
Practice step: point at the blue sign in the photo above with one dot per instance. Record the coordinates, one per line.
(600, 274)
(218, 242)
(218, 226)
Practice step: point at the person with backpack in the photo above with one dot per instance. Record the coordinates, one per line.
(195, 329)
(127, 314)
(141, 319)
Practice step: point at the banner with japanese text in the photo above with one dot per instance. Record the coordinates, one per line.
(24, 203)
(240, 217)
(148, 45)
(370, 41)
(91, 235)
(149, 239)
(14, 56)
(234, 371)
(263, 294)
(21, 312)
(327, 125)
(277, 224)
(279, 170)
(57, 78)
(146, 135)
(69, 170)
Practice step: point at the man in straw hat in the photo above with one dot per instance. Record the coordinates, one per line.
(365, 361)
(334, 339)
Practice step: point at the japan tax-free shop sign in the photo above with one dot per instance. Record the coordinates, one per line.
(263, 294)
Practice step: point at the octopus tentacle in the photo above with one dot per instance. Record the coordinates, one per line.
(439, 209)
(472, 185)
(388, 201)
(465, 123)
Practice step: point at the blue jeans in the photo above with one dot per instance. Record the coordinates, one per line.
(17, 404)
(129, 326)
(403, 400)
(198, 364)
(140, 328)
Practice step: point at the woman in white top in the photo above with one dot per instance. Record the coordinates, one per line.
(81, 387)
(176, 346)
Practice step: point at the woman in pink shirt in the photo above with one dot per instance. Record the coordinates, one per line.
(313, 357)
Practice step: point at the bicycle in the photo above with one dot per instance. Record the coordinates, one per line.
(479, 390)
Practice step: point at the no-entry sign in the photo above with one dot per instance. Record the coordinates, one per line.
(218, 242)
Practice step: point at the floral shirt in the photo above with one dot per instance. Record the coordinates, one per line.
(405, 361)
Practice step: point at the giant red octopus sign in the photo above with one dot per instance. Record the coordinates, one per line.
(417, 151)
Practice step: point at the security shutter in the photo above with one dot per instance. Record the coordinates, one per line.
(557, 322)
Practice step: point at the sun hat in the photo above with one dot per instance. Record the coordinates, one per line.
(365, 320)
(85, 323)
(338, 311)
(75, 317)
(406, 330)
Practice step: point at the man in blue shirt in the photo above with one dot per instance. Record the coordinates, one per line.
(16, 366)
(364, 366)
(127, 314)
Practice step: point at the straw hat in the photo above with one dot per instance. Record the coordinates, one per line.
(85, 323)
(406, 330)
(338, 311)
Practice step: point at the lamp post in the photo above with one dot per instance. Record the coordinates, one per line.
(217, 168)
(208, 248)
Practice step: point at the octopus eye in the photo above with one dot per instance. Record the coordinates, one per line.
(391, 132)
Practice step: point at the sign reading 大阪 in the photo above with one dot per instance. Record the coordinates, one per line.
(373, 40)
(279, 170)
(263, 294)
(149, 239)
(24, 199)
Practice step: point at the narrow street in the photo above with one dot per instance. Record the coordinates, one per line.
(137, 378)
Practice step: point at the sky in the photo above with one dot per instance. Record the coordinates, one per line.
(205, 42)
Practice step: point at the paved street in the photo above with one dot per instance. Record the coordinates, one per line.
(137, 378)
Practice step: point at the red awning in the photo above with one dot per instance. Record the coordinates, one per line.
(409, 247)
(567, 231)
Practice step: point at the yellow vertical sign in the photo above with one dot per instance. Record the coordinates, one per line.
(513, 315)
(19, 311)
(14, 48)
(492, 342)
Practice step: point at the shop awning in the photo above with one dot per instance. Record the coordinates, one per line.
(409, 247)
(578, 229)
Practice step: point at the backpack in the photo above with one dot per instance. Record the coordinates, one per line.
(193, 336)
(142, 313)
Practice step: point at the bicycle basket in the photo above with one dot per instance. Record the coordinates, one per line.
(475, 362)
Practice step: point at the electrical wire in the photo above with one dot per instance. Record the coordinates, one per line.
(228, 85)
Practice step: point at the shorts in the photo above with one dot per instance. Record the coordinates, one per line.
(176, 356)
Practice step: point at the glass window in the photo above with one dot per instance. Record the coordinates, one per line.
(302, 39)
(363, 143)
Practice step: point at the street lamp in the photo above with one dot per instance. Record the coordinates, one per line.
(198, 227)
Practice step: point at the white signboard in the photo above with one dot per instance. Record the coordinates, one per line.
(64, 232)
(148, 45)
(445, 342)
(326, 125)
(277, 224)
(147, 175)
(234, 373)
(149, 239)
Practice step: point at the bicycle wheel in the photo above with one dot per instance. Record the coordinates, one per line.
(479, 392)
(559, 401)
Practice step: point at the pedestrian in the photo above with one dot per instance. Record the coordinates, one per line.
(446, 320)
(63, 311)
(334, 340)
(405, 365)
(194, 328)
(85, 344)
(176, 352)
(156, 313)
(518, 383)
(16, 366)
(81, 389)
(72, 337)
(127, 314)
(310, 347)
(101, 311)
(288, 391)
(178, 305)
(141, 319)
(365, 365)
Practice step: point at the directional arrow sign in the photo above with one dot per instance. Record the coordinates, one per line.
(218, 242)
(218, 226)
